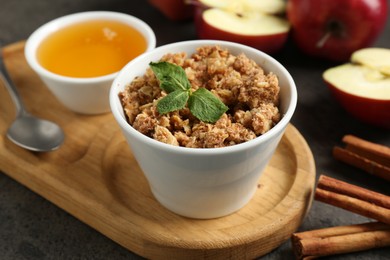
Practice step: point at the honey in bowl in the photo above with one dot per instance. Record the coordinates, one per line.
(90, 48)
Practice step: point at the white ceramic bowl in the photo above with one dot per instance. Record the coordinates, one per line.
(82, 95)
(203, 182)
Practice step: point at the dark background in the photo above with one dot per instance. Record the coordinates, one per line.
(33, 228)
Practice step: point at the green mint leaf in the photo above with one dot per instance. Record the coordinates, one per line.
(173, 101)
(205, 106)
(173, 80)
(172, 77)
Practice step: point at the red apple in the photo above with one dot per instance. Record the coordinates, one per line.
(246, 22)
(175, 10)
(363, 87)
(334, 29)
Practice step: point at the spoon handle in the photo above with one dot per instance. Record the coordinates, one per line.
(4, 76)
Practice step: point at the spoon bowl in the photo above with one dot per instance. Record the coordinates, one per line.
(27, 131)
(35, 134)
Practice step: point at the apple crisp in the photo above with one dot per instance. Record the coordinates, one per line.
(251, 95)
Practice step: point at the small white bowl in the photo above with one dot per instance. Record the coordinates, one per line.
(203, 182)
(82, 95)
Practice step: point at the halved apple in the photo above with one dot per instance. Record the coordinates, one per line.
(362, 90)
(243, 21)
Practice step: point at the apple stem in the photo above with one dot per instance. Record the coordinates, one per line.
(324, 38)
(333, 28)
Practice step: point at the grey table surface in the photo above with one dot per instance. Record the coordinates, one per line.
(33, 228)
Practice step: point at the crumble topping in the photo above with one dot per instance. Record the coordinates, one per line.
(251, 95)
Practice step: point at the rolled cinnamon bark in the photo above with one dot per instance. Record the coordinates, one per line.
(363, 163)
(371, 157)
(372, 151)
(341, 239)
(353, 198)
(334, 185)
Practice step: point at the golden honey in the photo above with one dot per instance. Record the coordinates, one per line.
(91, 48)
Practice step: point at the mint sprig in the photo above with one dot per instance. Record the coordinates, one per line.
(203, 104)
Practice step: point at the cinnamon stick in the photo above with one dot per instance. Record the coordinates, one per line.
(339, 240)
(370, 157)
(334, 185)
(353, 198)
(375, 152)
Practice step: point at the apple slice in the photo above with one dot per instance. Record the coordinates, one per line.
(363, 91)
(257, 29)
(264, 6)
(268, 6)
(376, 58)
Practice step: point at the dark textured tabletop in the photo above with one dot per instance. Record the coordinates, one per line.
(33, 228)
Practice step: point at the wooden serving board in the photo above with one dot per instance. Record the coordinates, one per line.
(95, 177)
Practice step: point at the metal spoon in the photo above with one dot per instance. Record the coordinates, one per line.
(27, 131)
